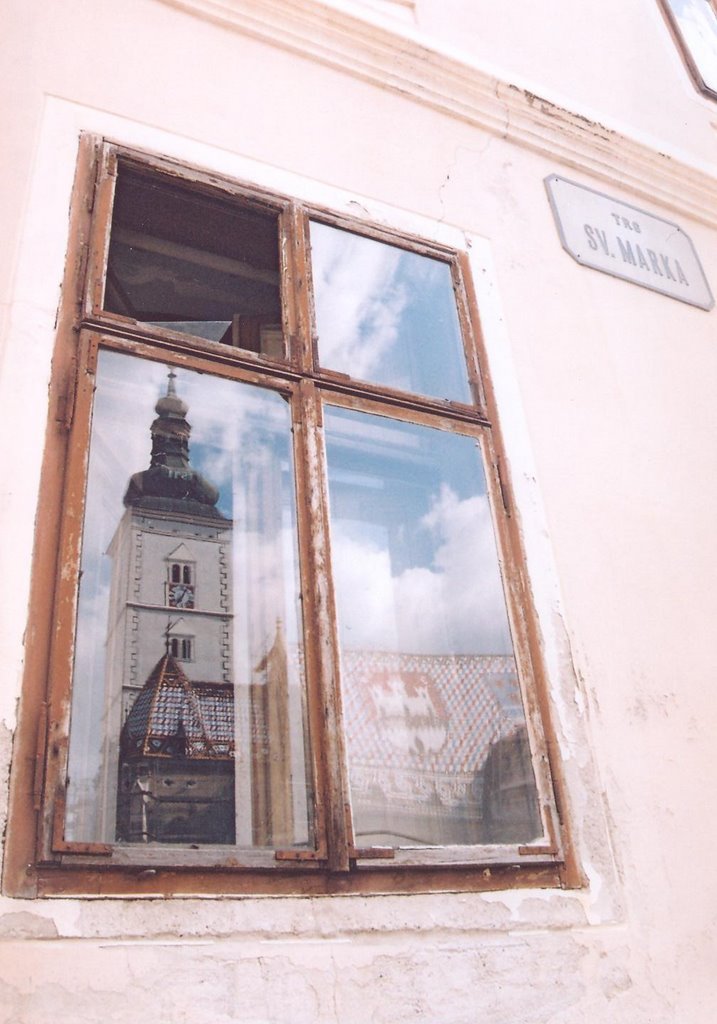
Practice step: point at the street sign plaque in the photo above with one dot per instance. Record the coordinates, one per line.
(625, 241)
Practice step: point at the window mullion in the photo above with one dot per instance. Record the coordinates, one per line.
(321, 646)
(296, 286)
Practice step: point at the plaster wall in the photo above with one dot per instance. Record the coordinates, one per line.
(606, 398)
(620, 67)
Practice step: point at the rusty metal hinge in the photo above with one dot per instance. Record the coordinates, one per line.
(306, 855)
(39, 773)
(505, 496)
(92, 191)
(83, 256)
(96, 176)
(66, 400)
(372, 853)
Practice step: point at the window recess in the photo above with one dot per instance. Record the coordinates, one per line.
(291, 647)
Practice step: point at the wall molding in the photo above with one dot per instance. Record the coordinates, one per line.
(398, 58)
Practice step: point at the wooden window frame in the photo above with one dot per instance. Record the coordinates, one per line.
(685, 50)
(39, 860)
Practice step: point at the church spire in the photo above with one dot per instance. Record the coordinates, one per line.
(170, 431)
(171, 483)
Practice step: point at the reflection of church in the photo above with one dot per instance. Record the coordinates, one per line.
(169, 755)
(438, 750)
(176, 778)
(437, 747)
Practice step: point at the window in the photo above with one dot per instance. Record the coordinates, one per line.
(694, 25)
(180, 647)
(180, 585)
(180, 573)
(291, 641)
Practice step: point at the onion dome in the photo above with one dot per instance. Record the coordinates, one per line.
(171, 484)
(171, 406)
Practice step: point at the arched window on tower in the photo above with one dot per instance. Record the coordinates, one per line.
(182, 648)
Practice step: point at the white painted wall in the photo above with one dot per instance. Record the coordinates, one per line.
(607, 405)
(618, 65)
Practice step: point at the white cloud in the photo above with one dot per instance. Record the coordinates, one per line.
(454, 605)
(224, 415)
(365, 591)
(265, 590)
(359, 302)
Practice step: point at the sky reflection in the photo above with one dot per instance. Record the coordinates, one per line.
(386, 315)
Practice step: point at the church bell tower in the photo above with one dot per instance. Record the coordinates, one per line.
(169, 642)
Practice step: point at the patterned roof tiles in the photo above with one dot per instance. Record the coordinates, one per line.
(435, 714)
(431, 713)
(173, 717)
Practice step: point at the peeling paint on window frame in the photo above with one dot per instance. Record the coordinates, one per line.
(39, 860)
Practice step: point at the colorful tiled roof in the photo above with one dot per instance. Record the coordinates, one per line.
(420, 715)
(429, 713)
(173, 717)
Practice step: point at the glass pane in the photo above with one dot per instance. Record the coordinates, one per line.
(437, 744)
(386, 315)
(697, 22)
(188, 720)
(195, 263)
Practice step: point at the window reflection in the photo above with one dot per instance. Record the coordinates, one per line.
(201, 265)
(187, 715)
(386, 315)
(436, 736)
(697, 24)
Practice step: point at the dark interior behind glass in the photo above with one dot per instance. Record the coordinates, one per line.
(196, 263)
